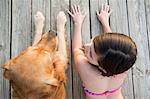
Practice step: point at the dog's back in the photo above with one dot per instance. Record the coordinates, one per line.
(37, 73)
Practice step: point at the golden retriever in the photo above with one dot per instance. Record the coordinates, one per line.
(38, 72)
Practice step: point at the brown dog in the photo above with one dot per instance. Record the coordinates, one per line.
(38, 72)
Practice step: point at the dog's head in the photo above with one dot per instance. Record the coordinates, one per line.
(49, 41)
(33, 72)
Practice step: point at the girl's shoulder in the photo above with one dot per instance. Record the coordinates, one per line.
(89, 73)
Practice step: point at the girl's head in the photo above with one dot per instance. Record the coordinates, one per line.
(113, 53)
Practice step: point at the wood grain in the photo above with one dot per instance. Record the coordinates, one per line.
(5, 37)
(138, 31)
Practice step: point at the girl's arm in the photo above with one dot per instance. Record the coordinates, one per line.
(80, 60)
(103, 16)
(78, 19)
(77, 39)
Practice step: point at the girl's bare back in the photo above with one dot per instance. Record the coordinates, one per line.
(99, 84)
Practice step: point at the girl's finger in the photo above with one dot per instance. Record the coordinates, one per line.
(78, 8)
(70, 13)
(104, 7)
(73, 10)
(110, 12)
(107, 8)
(97, 12)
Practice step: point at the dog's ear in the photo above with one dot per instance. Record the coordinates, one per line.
(6, 65)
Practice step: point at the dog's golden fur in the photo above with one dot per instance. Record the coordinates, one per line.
(38, 72)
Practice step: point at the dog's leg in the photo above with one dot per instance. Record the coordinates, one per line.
(61, 21)
(39, 24)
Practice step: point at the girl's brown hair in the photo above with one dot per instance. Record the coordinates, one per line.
(116, 53)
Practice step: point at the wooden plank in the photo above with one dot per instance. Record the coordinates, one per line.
(56, 6)
(5, 28)
(21, 26)
(44, 7)
(147, 6)
(96, 27)
(119, 23)
(77, 88)
(137, 27)
(147, 68)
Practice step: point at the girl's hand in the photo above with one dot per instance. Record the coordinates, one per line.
(104, 14)
(76, 14)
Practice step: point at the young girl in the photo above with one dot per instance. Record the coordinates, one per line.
(103, 63)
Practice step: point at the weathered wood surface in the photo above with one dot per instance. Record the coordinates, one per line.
(147, 71)
(5, 37)
(138, 31)
(131, 17)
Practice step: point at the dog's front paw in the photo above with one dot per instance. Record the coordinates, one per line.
(61, 19)
(39, 18)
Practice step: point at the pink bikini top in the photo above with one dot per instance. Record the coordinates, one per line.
(106, 93)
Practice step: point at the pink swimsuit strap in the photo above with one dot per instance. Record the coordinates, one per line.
(106, 93)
